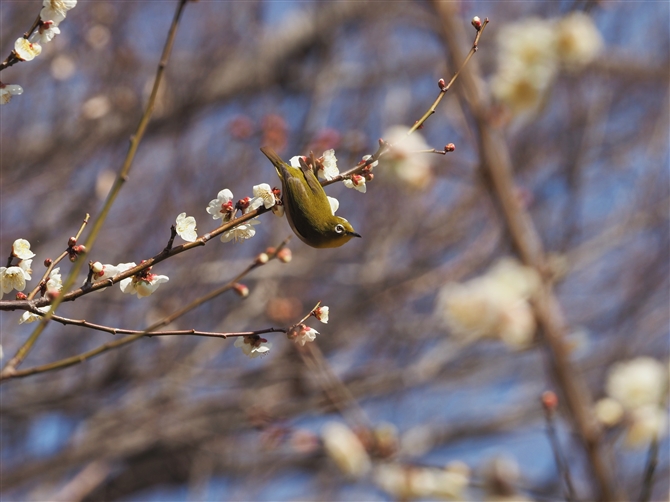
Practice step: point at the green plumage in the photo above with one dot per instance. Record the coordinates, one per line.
(307, 208)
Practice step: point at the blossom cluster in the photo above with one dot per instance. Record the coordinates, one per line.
(14, 277)
(349, 451)
(495, 305)
(532, 51)
(27, 49)
(636, 391)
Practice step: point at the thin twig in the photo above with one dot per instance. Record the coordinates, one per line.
(561, 464)
(80, 358)
(443, 90)
(122, 176)
(649, 471)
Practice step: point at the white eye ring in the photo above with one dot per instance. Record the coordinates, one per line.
(339, 229)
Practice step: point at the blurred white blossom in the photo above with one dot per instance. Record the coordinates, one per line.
(344, 447)
(531, 51)
(578, 41)
(494, 305)
(647, 423)
(609, 411)
(406, 165)
(409, 482)
(9, 90)
(638, 382)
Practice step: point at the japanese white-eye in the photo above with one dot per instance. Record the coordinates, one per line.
(307, 208)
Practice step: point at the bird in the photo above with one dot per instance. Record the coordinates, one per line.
(307, 207)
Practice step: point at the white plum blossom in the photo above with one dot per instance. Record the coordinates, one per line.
(648, 422)
(609, 411)
(520, 91)
(253, 346)
(321, 313)
(56, 10)
(55, 282)
(12, 278)
(406, 165)
(639, 382)
(578, 41)
(223, 206)
(241, 232)
(356, 182)
(31, 317)
(529, 46)
(186, 227)
(302, 334)
(105, 271)
(25, 266)
(26, 50)
(295, 161)
(412, 482)
(344, 447)
(21, 249)
(9, 90)
(45, 32)
(263, 196)
(372, 164)
(327, 169)
(494, 305)
(143, 284)
(334, 204)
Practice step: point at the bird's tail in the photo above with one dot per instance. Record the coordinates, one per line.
(275, 159)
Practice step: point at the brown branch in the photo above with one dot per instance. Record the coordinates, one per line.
(444, 88)
(80, 358)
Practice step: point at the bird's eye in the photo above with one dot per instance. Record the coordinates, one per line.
(339, 229)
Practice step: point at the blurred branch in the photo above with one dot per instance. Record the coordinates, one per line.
(495, 158)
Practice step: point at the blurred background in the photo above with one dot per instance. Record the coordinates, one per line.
(190, 418)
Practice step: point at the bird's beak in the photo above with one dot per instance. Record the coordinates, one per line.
(353, 234)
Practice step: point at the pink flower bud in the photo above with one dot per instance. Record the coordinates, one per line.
(241, 290)
(284, 255)
(48, 262)
(21, 296)
(71, 241)
(549, 400)
(450, 147)
(441, 84)
(477, 23)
